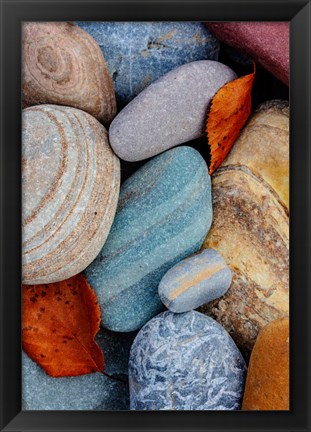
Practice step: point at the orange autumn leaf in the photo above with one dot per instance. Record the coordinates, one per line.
(230, 109)
(59, 323)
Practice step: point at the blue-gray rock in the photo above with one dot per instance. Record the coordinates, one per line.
(138, 53)
(185, 362)
(195, 281)
(171, 111)
(87, 392)
(163, 214)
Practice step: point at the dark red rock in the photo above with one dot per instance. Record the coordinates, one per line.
(266, 42)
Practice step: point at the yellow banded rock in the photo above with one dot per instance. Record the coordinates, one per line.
(251, 226)
(70, 188)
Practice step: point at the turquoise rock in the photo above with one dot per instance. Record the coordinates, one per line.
(138, 53)
(86, 392)
(195, 281)
(163, 215)
(185, 362)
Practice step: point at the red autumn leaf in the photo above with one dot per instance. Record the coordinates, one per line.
(59, 323)
(230, 109)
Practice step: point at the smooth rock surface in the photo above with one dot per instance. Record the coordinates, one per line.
(195, 281)
(265, 42)
(87, 392)
(267, 383)
(70, 186)
(185, 362)
(251, 226)
(163, 215)
(138, 53)
(169, 112)
(63, 65)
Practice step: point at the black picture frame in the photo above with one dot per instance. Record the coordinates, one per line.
(13, 12)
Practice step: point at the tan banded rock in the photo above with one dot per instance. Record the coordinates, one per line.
(63, 65)
(70, 188)
(251, 226)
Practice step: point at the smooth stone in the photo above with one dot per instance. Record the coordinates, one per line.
(267, 382)
(251, 226)
(163, 215)
(195, 281)
(63, 65)
(87, 392)
(185, 362)
(138, 53)
(70, 179)
(265, 42)
(169, 112)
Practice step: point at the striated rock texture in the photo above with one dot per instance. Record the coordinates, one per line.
(164, 213)
(194, 281)
(63, 65)
(185, 362)
(169, 112)
(251, 226)
(265, 42)
(87, 392)
(267, 383)
(138, 53)
(70, 187)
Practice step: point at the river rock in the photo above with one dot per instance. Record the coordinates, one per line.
(87, 392)
(70, 179)
(138, 53)
(185, 362)
(267, 383)
(194, 281)
(265, 42)
(163, 215)
(63, 65)
(169, 112)
(251, 226)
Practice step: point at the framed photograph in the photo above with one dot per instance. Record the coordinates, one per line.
(155, 215)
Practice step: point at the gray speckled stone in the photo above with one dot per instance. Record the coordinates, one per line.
(138, 53)
(185, 362)
(87, 392)
(169, 112)
(195, 281)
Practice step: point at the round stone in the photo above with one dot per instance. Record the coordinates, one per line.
(70, 187)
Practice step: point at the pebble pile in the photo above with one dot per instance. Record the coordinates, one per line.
(168, 240)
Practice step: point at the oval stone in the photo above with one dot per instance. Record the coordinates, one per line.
(138, 53)
(267, 382)
(86, 392)
(251, 226)
(70, 179)
(63, 65)
(195, 281)
(169, 112)
(163, 213)
(185, 362)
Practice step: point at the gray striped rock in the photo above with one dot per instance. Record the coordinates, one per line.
(185, 362)
(171, 111)
(86, 392)
(70, 179)
(163, 212)
(195, 281)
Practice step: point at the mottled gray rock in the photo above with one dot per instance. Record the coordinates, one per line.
(185, 362)
(87, 392)
(138, 53)
(195, 281)
(169, 112)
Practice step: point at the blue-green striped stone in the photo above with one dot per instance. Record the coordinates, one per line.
(163, 215)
